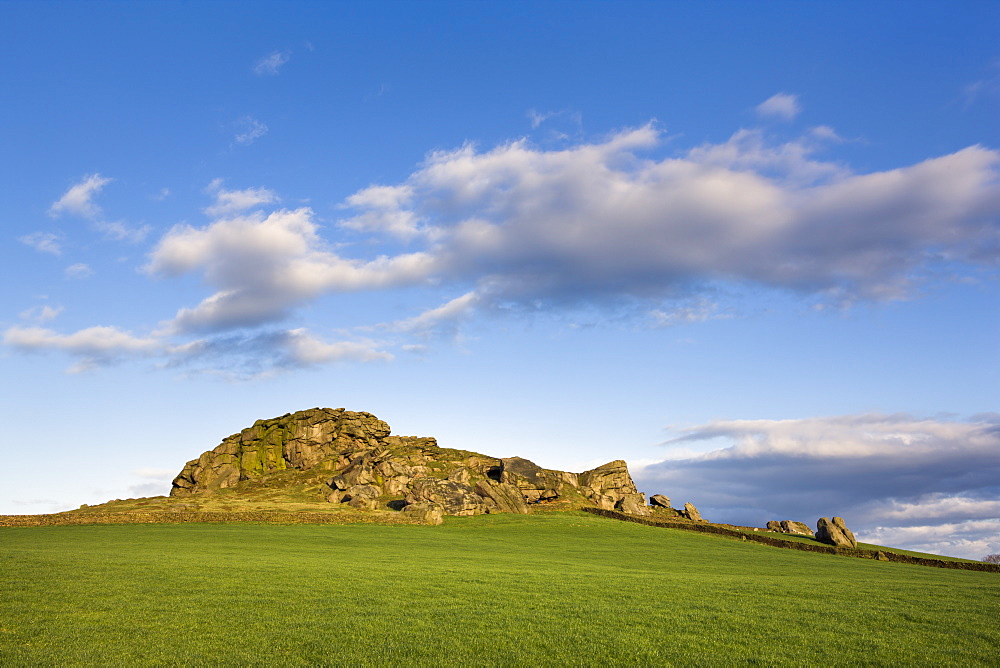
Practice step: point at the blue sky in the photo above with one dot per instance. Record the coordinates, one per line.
(751, 248)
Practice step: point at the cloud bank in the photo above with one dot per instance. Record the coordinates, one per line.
(603, 224)
(928, 484)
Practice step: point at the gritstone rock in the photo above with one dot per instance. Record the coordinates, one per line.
(633, 504)
(691, 513)
(659, 501)
(835, 532)
(788, 526)
(424, 512)
(501, 497)
(354, 458)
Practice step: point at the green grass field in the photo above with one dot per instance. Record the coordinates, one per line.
(550, 589)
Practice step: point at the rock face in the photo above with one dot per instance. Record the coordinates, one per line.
(788, 526)
(835, 532)
(363, 466)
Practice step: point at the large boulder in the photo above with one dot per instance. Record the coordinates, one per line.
(835, 532)
(789, 526)
(361, 496)
(611, 480)
(659, 501)
(633, 504)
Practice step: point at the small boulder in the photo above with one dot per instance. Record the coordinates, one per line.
(691, 513)
(659, 501)
(835, 532)
(362, 496)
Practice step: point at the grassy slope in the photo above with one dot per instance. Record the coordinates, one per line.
(549, 589)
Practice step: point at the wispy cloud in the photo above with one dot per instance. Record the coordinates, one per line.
(41, 313)
(44, 242)
(782, 106)
(271, 64)
(699, 309)
(78, 271)
(248, 130)
(228, 202)
(242, 356)
(79, 199)
(92, 347)
(986, 88)
(121, 231)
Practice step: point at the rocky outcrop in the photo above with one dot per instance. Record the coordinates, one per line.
(788, 526)
(835, 532)
(356, 460)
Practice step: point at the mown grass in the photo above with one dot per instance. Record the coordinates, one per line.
(550, 589)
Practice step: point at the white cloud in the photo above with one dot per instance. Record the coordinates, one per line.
(444, 318)
(384, 211)
(42, 313)
(971, 539)
(44, 242)
(271, 63)
(120, 231)
(78, 200)
(522, 228)
(525, 227)
(698, 310)
(306, 350)
(868, 435)
(93, 346)
(597, 221)
(234, 201)
(248, 130)
(264, 266)
(783, 106)
(238, 357)
(78, 271)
